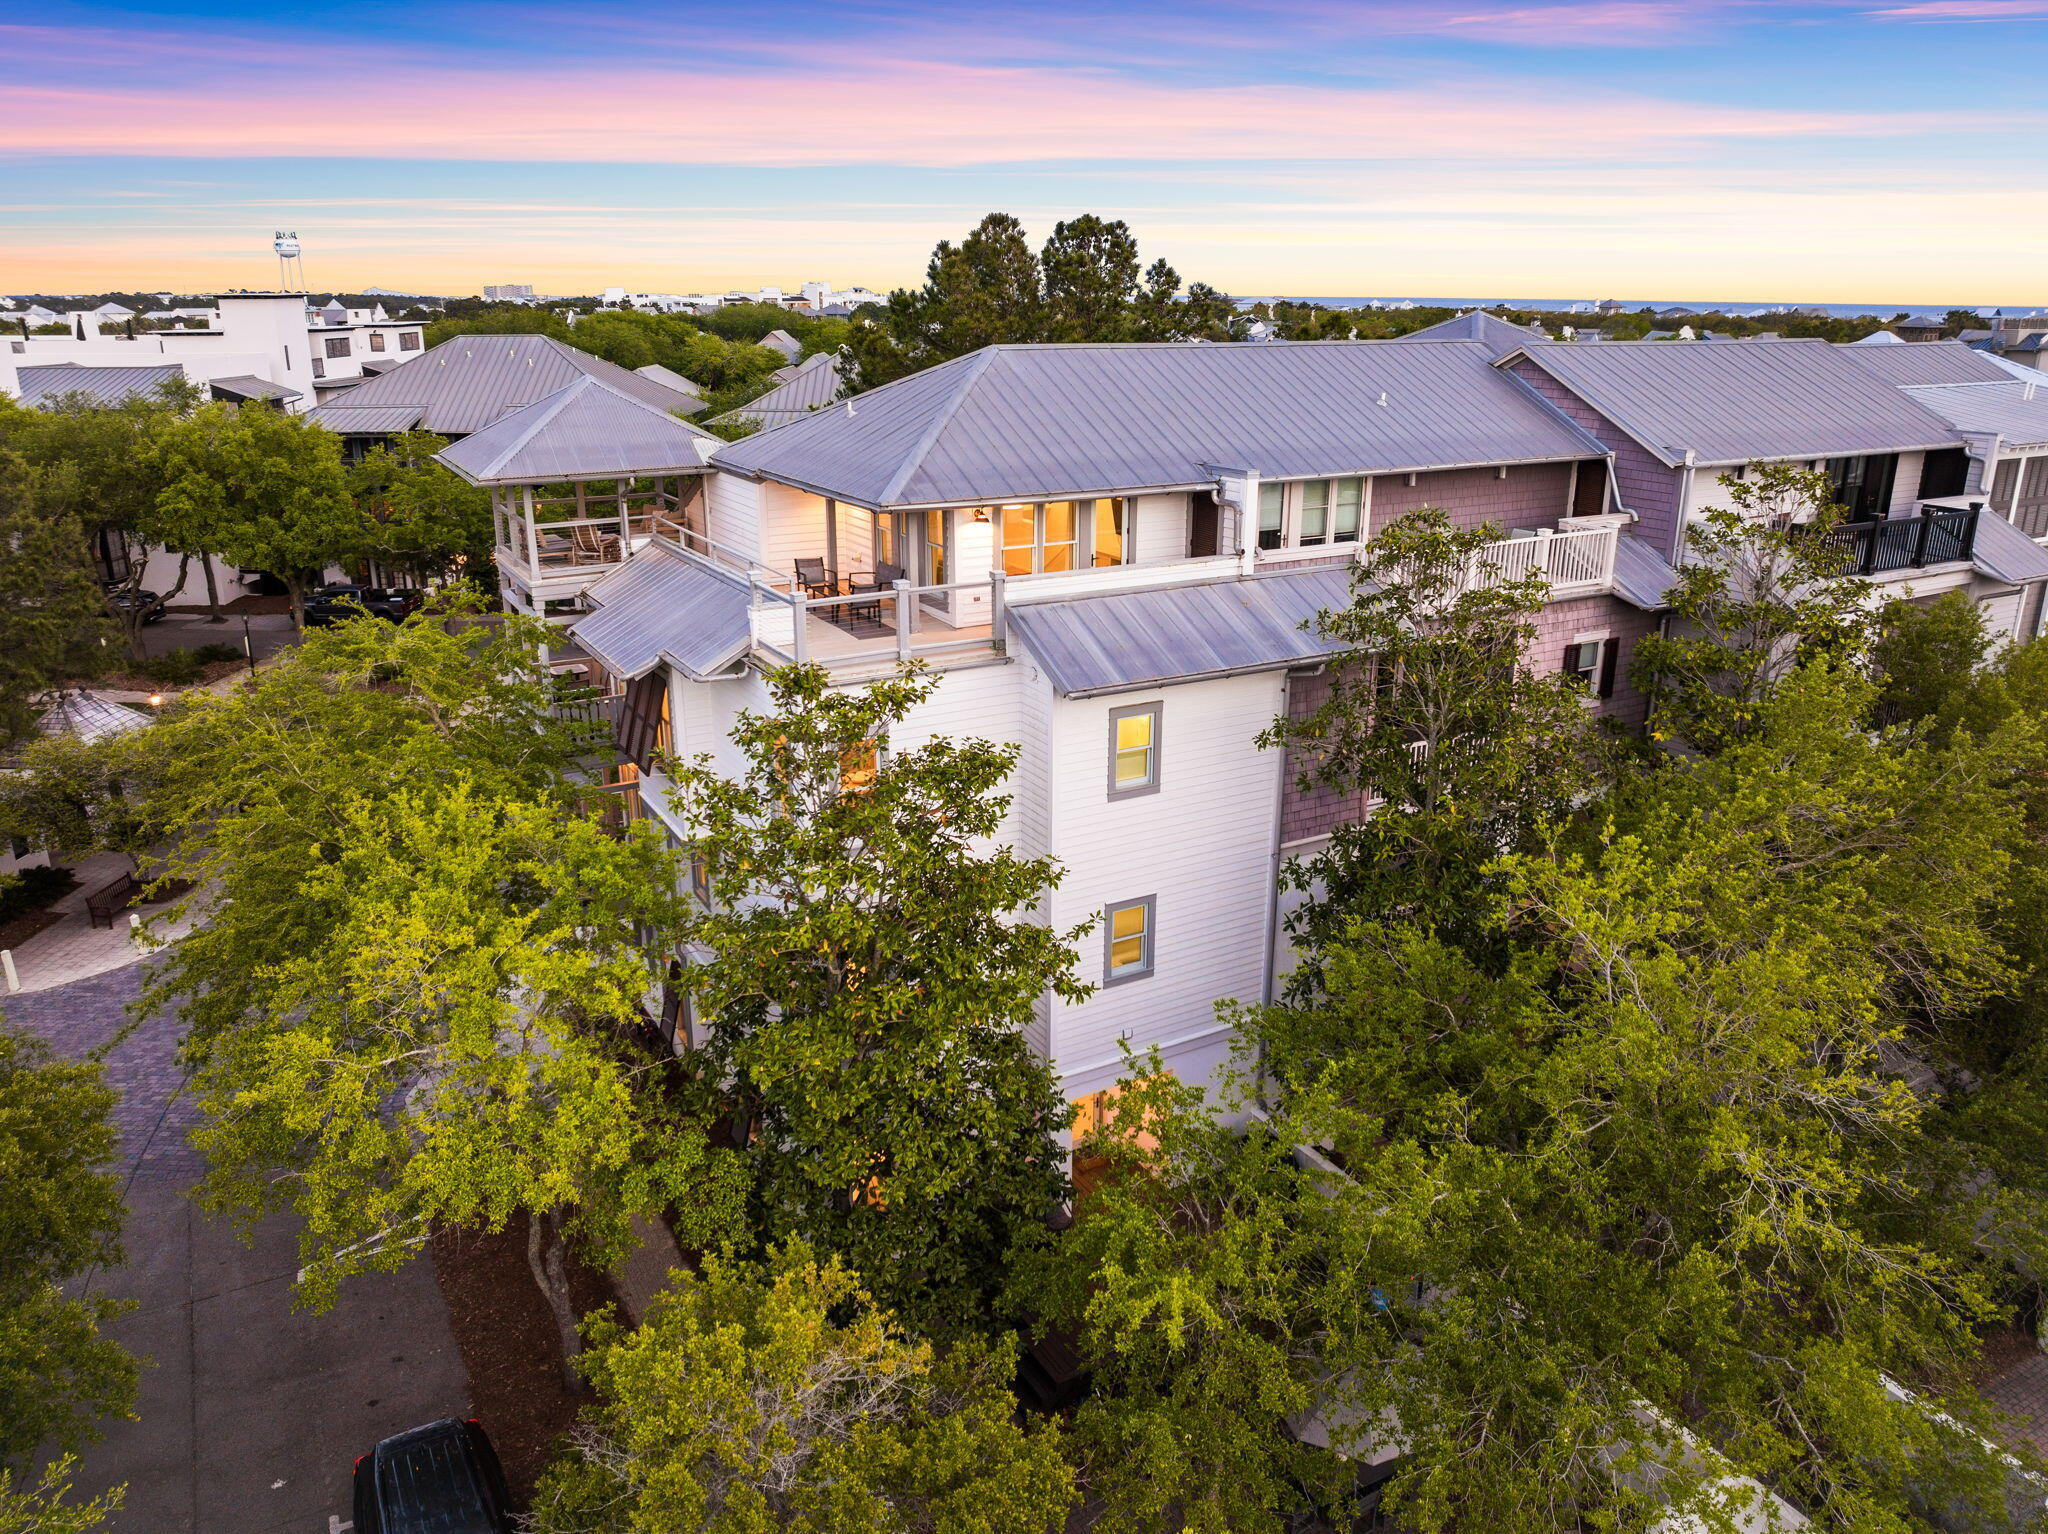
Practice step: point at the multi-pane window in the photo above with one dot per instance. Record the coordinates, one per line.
(1127, 938)
(1311, 513)
(376, 340)
(1040, 538)
(1590, 662)
(319, 368)
(409, 341)
(337, 346)
(1134, 749)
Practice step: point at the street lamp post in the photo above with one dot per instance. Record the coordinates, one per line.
(248, 644)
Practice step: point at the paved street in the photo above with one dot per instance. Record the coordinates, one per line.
(251, 1412)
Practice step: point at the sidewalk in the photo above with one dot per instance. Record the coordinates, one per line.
(74, 948)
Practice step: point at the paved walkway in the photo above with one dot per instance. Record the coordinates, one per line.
(74, 948)
(252, 1412)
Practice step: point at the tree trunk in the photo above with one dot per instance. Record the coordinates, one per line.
(215, 615)
(296, 589)
(550, 1264)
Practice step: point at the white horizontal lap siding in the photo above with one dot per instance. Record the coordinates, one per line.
(1906, 484)
(734, 513)
(984, 703)
(1201, 846)
(1161, 523)
(792, 527)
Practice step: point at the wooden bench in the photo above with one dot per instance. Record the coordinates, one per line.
(116, 895)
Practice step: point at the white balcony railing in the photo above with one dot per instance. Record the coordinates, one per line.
(1575, 563)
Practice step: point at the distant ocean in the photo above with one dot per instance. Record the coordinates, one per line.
(1585, 305)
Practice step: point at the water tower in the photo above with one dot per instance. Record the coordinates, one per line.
(291, 275)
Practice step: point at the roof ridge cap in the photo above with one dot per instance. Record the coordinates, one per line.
(545, 409)
(915, 458)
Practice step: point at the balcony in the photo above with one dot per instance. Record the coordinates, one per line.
(1576, 564)
(1938, 536)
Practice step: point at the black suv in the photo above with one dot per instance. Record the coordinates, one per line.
(439, 1479)
(337, 604)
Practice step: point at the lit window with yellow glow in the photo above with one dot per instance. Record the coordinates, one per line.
(1127, 941)
(858, 765)
(1133, 750)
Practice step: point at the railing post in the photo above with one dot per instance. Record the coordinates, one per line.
(1920, 542)
(1969, 538)
(998, 611)
(799, 622)
(905, 619)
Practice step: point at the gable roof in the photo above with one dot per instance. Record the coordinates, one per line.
(584, 430)
(2006, 553)
(44, 383)
(670, 378)
(810, 385)
(466, 383)
(1018, 422)
(1478, 325)
(1924, 362)
(660, 606)
(1732, 404)
(2016, 411)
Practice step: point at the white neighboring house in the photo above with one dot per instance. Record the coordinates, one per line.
(264, 346)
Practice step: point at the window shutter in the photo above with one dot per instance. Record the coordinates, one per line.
(640, 718)
(1571, 653)
(1608, 652)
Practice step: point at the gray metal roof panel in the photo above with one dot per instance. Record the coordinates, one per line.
(1011, 422)
(1477, 325)
(1131, 639)
(661, 606)
(249, 386)
(44, 383)
(1642, 576)
(1732, 404)
(2005, 553)
(352, 420)
(585, 430)
(466, 383)
(1924, 362)
(810, 385)
(2017, 412)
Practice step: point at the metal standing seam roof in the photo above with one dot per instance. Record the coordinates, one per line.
(42, 383)
(660, 606)
(811, 385)
(1756, 400)
(1131, 639)
(248, 386)
(2017, 412)
(1018, 422)
(1642, 576)
(1924, 362)
(2005, 553)
(584, 430)
(464, 384)
(356, 421)
(1477, 325)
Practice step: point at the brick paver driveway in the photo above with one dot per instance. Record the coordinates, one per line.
(251, 1412)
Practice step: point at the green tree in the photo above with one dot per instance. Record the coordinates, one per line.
(60, 1217)
(873, 966)
(1432, 717)
(1089, 268)
(1763, 590)
(46, 1507)
(53, 617)
(775, 1397)
(263, 489)
(421, 518)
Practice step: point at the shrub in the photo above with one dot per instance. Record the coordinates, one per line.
(31, 889)
(218, 650)
(178, 668)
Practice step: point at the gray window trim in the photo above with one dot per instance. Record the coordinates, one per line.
(1143, 971)
(1157, 711)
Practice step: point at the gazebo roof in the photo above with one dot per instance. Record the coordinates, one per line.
(89, 717)
(584, 430)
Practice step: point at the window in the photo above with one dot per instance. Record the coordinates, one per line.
(1134, 750)
(1311, 513)
(1863, 486)
(858, 765)
(1127, 940)
(1590, 662)
(409, 341)
(319, 368)
(376, 340)
(1044, 538)
(1112, 542)
(337, 346)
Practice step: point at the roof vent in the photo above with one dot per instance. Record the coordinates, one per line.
(1383, 399)
(849, 409)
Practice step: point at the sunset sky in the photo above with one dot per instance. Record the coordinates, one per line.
(1850, 152)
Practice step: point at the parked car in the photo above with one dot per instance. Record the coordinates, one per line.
(337, 604)
(443, 1478)
(130, 599)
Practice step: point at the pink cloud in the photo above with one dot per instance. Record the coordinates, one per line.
(899, 112)
(1966, 10)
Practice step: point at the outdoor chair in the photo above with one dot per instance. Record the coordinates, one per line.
(878, 582)
(593, 545)
(816, 580)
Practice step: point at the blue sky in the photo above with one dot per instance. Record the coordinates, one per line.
(1888, 151)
